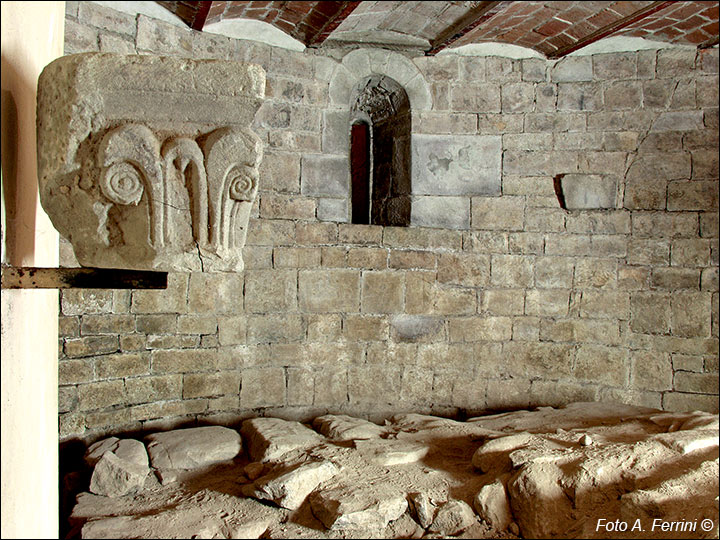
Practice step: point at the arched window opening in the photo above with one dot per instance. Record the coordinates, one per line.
(381, 181)
(360, 181)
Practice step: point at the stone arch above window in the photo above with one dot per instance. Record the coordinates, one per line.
(380, 152)
(360, 64)
(349, 78)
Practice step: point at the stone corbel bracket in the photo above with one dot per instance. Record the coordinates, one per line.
(147, 162)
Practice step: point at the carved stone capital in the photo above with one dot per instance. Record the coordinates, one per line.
(149, 162)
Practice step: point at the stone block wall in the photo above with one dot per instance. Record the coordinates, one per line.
(502, 299)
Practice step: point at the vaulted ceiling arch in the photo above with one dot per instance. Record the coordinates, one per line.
(553, 29)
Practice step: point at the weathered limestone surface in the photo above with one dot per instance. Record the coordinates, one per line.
(554, 473)
(388, 452)
(538, 485)
(268, 439)
(345, 428)
(115, 477)
(423, 508)
(494, 455)
(491, 504)
(193, 447)
(288, 487)
(452, 518)
(190, 518)
(119, 466)
(357, 507)
(149, 162)
(644, 503)
(127, 449)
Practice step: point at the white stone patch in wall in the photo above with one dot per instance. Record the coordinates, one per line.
(678, 121)
(341, 84)
(586, 191)
(441, 212)
(456, 164)
(256, 31)
(607, 45)
(389, 37)
(336, 132)
(325, 176)
(625, 43)
(415, 327)
(572, 70)
(493, 49)
(332, 209)
(150, 9)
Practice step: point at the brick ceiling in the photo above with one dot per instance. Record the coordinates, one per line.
(551, 28)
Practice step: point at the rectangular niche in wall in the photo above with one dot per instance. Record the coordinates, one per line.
(586, 191)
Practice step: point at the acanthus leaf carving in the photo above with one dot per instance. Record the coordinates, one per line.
(129, 157)
(184, 166)
(153, 178)
(232, 159)
(211, 188)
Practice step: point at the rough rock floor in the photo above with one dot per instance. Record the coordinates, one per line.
(587, 470)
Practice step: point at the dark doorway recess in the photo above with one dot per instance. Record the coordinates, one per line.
(380, 163)
(360, 172)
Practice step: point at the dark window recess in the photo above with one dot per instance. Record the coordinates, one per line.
(380, 165)
(360, 172)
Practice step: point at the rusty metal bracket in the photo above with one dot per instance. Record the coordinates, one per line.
(81, 278)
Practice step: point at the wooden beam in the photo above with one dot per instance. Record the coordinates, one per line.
(709, 43)
(329, 27)
(182, 10)
(201, 15)
(81, 278)
(475, 16)
(610, 29)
